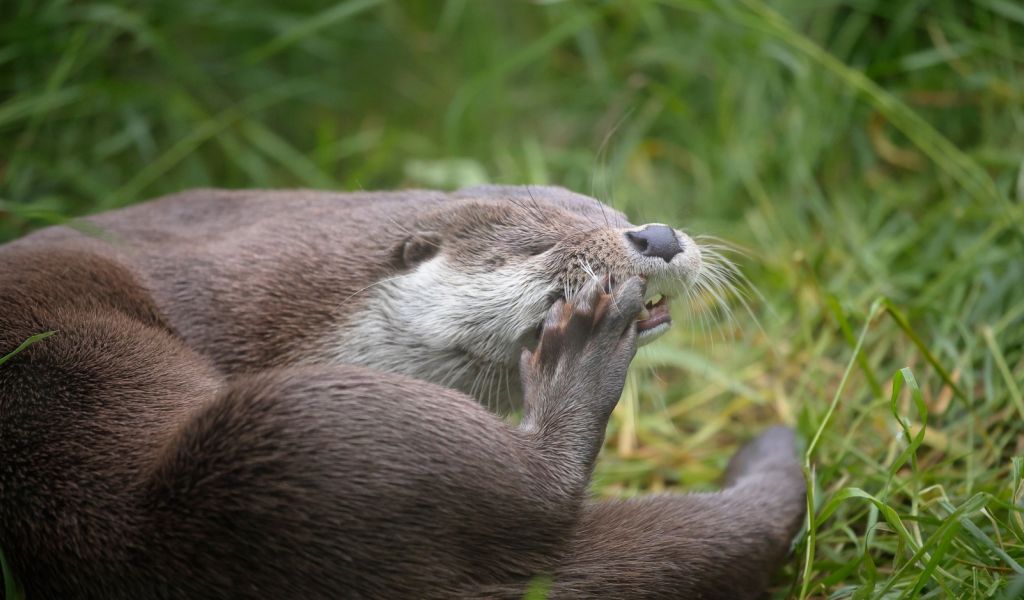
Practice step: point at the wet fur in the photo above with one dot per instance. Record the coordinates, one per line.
(192, 432)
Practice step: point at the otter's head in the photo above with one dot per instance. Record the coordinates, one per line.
(479, 272)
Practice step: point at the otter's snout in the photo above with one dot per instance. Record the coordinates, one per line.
(655, 240)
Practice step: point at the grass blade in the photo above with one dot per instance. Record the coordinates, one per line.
(28, 342)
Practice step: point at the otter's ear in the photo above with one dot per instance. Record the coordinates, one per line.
(419, 247)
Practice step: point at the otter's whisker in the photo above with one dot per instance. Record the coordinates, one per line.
(728, 276)
(496, 387)
(479, 385)
(408, 231)
(602, 159)
(589, 270)
(537, 211)
(363, 289)
(713, 307)
(492, 388)
(508, 385)
(694, 313)
(455, 374)
(475, 384)
(488, 387)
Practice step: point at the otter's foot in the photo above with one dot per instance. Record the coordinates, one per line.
(774, 451)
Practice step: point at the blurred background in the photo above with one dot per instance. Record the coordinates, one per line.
(863, 157)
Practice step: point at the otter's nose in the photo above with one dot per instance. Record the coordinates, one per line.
(655, 240)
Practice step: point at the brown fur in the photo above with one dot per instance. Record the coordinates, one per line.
(185, 434)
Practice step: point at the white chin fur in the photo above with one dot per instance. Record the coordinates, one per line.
(432, 322)
(646, 337)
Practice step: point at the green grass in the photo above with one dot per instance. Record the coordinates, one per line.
(12, 588)
(865, 154)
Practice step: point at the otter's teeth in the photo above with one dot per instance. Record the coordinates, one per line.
(644, 314)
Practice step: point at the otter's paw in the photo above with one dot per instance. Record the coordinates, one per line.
(586, 345)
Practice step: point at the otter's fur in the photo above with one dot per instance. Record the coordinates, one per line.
(253, 394)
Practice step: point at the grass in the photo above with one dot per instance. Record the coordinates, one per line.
(12, 588)
(866, 156)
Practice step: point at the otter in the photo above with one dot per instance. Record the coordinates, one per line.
(281, 393)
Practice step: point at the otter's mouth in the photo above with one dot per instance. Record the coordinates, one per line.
(654, 319)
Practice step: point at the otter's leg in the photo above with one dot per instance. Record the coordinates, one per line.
(722, 545)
